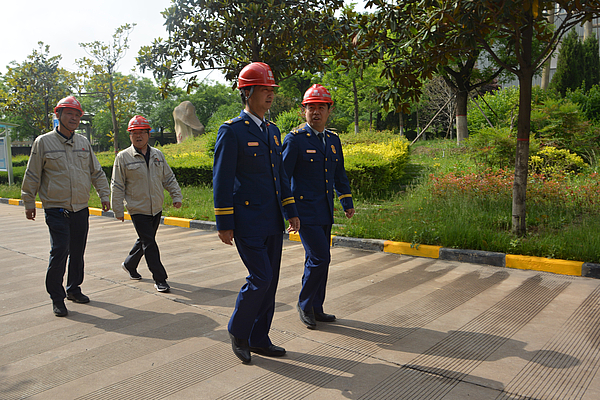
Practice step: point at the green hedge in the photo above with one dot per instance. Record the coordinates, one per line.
(18, 173)
(371, 167)
(190, 169)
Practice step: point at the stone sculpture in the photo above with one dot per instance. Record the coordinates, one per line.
(187, 123)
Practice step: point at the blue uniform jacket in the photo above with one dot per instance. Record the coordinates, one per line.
(251, 190)
(315, 172)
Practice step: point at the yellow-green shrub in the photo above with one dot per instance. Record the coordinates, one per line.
(373, 167)
(550, 161)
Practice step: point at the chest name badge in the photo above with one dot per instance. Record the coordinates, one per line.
(311, 151)
(252, 144)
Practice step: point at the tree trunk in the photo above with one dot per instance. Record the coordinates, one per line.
(462, 131)
(355, 92)
(546, 70)
(587, 30)
(111, 95)
(401, 123)
(47, 112)
(519, 226)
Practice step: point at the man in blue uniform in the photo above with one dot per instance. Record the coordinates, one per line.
(252, 195)
(313, 160)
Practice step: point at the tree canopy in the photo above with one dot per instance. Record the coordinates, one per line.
(32, 89)
(101, 68)
(290, 36)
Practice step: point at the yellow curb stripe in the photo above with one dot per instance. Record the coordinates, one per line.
(563, 267)
(176, 221)
(421, 250)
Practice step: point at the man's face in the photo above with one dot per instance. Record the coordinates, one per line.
(261, 99)
(69, 118)
(316, 115)
(139, 138)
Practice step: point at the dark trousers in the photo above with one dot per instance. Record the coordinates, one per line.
(255, 304)
(68, 237)
(315, 239)
(145, 245)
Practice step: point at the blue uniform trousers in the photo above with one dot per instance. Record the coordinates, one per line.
(68, 237)
(145, 245)
(255, 304)
(315, 239)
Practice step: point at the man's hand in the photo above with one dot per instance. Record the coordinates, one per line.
(121, 218)
(294, 225)
(177, 204)
(226, 236)
(30, 214)
(349, 212)
(105, 206)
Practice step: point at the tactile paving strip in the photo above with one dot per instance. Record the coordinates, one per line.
(40, 379)
(462, 351)
(170, 378)
(327, 362)
(564, 368)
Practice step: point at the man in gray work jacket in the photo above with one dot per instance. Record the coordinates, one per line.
(61, 168)
(139, 175)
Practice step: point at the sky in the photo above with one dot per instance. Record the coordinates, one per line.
(63, 26)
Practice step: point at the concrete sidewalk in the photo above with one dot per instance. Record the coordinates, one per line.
(408, 327)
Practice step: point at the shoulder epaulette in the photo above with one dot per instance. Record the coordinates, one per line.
(271, 122)
(332, 132)
(231, 121)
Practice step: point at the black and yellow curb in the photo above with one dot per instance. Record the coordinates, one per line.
(562, 267)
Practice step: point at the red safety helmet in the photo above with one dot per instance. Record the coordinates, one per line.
(317, 94)
(138, 123)
(68, 102)
(256, 73)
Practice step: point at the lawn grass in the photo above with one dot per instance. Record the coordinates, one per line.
(450, 201)
(457, 204)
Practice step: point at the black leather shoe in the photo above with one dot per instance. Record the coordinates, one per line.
(60, 310)
(271, 351)
(78, 297)
(307, 318)
(322, 317)
(240, 348)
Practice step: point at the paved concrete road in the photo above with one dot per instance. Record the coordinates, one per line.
(408, 328)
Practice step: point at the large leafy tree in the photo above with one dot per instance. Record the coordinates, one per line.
(413, 45)
(290, 36)
(32, 89)
(101, 69)
(455, 27)
(354, 91)
(105, 112)
(522, 23)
